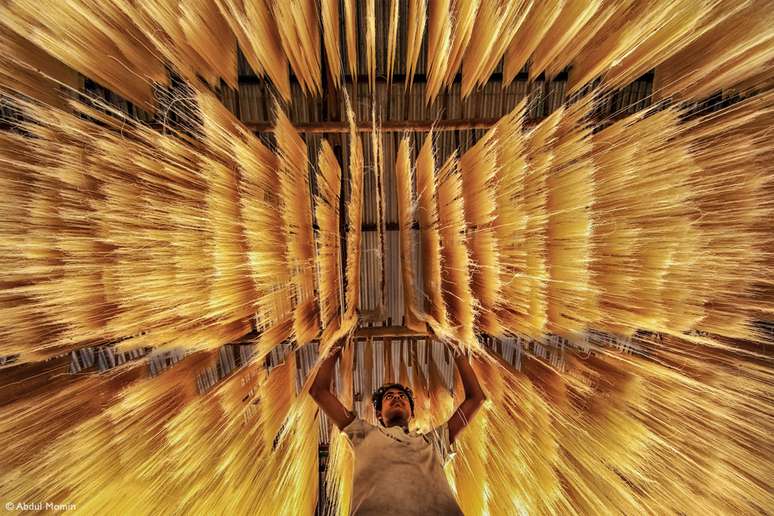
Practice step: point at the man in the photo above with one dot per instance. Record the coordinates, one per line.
(398, 472)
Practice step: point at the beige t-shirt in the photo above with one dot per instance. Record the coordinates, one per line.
(400, 474)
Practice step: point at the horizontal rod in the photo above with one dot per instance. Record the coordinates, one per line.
(387, 331)
(399, 79)
(387, 126)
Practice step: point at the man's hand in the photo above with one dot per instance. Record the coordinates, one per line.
(321, 387)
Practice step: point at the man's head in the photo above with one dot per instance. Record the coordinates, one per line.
(394, 404)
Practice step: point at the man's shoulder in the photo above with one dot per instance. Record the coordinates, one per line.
(357, 429)
(359, 422)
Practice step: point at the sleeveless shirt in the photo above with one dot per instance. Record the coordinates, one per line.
(396, 473)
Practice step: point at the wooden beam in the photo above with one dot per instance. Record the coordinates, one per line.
(388, 126)
(380, 332)
(384, 332)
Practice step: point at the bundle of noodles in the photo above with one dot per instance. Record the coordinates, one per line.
(463, 15)
(532, 399)
(670, 241)
(256, 31)
(702, 417)
(597, 437)
(417, 14)
(26, 330)
(392, 38)
(685, 292)
(427, 216)
(350, 28)
(298, 26)
(510, 221)
(70, 32)
(329, 17)
(516, 408)
(763, 285)
(469, 466)
(198, 426)
(292, 474)
(538, 18)
(190, 265)
(328, 240)
(147, 461)
(96, 265)
(658, 34)
(191, 35)
(756, 83)
(616, 237)
(209, 35)
(28, 70)
(40, 404)
(730, 190)
(292, 471)
(609, 35)
(171, 196)
(366, 362)
(62, 207)
(575, 17)
(277, 397)
(272, 336)
(384, 356)
(408, 376)
(165, 184)
(405, 222)
(571, 300)
(419, 380)
(297, 220)
(341, 461)
(138, 417)
(229, 463)
(478, 167)
(455, 277)
(243, 459)
(636, 254)
(439, 31)
(89, 470)
(354, 216)
(636, 37)
(57, 265)
(233, 294)
(194, 337)
(497, 24)
(602, 22)
(441, 401)
(265, 239)
(378, 312)
(539, 162)
(370, 20)
(179, 278)
(618, 433)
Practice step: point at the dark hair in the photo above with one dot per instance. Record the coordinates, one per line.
(378, 394)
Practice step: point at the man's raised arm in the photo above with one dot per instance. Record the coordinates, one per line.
(474, 397)
(321, 392)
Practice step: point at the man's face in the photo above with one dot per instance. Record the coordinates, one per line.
(395, 406)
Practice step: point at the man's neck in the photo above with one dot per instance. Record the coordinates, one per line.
(400, 424)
